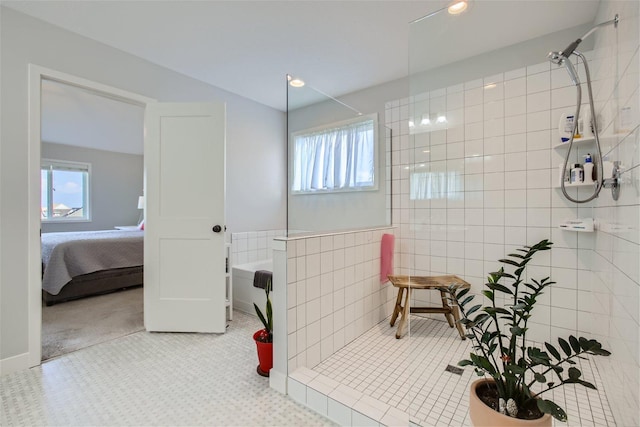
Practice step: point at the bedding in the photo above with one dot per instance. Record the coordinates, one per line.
(69, 255)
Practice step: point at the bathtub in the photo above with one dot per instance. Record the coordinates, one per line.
(244, 294)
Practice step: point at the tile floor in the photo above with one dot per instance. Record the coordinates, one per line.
(153, 379)
(184, 379)
(409, 374)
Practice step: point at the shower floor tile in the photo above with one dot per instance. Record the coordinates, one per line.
(409, 374)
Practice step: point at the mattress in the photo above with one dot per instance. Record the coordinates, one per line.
(68, 255)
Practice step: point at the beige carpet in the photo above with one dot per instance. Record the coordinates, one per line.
(73, 325)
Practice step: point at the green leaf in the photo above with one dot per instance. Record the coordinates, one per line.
(510, 262)
(465, 362)
(574, 373)
(517, 331)
(574, 344)
(269, 315)
(517, 256)
(465, 301)
(587, 384)
(488, 294)
(554, 352)
(549, 407)
(462, 293)
(518, 370)
(261, 317)
(483, 363)
(499, 287)
(540, 378)
(473, 310)
(565, 346)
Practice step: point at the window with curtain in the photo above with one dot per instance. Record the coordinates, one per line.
(340, 157)
(64, 190)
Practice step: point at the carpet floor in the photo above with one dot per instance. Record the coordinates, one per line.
(73, 325)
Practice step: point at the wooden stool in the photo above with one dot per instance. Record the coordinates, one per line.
(406, 284)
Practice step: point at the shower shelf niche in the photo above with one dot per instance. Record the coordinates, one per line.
(582, 184)
(585, 141)
(583, 225)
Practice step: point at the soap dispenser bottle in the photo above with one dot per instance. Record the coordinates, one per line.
(577, 174)
(588, 169)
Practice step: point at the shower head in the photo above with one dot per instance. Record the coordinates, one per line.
(559, 59)
(556, 57)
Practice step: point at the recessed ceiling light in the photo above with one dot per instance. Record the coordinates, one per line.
(441, 119)
(296, 83)
(425, 120)
(457, 8)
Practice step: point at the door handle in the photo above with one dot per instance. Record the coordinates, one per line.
(217, 229)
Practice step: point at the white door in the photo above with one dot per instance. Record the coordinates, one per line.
(184, 245)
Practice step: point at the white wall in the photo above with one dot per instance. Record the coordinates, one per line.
(116, 183)
(256, 153)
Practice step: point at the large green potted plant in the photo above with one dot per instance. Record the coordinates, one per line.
(264, 337)
(519, 373)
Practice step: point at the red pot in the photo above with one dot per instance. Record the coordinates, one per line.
(265, 354)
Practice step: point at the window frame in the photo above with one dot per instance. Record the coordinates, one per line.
(50, 165)
(343, 123)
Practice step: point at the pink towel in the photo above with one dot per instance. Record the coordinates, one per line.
(386, 257)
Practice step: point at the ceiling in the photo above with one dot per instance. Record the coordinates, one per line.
(248, 47)
(80, 118)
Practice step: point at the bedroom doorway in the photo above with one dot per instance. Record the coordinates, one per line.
(175, 238)
(85, 137)
(47, 87)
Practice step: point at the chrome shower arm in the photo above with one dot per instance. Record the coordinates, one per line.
(572, 47)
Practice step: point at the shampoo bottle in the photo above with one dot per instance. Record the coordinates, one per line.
(588, 169)
(566, 126)
(577, 174)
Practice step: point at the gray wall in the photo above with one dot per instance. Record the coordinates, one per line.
(115, 184)
(255, 163)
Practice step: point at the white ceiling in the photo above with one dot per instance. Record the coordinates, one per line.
(247, 47)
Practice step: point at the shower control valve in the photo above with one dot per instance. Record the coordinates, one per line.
(614, 182)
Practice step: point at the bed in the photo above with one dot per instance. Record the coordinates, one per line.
(85, 263)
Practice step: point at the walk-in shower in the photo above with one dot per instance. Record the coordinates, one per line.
(564, 58)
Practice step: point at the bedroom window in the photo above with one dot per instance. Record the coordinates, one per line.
(64, 191)
(339, 157)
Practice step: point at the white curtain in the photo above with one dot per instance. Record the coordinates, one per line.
(334, 159)
(435, 185)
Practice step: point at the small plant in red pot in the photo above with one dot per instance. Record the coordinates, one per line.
(264, 337)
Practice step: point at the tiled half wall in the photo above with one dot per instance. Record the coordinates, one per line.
(333, 293)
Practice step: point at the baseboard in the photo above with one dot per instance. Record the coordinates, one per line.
(244, 307)
(14, 363)
(278, 381)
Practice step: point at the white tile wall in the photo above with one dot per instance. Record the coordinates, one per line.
(253, 245)
(334, 293)
(615, 286)
(498, 169)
